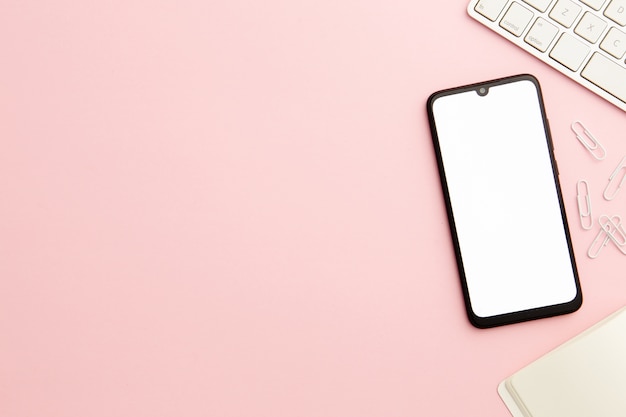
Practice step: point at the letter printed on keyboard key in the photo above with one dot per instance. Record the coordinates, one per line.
(565, 12)
(590, 27)
(516, 19)
(490, 8)
(614, 43)
(541, 34)
(616, 11)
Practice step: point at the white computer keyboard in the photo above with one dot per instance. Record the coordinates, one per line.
(583, 39)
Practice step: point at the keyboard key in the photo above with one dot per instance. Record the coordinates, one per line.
(565, 12)
(490, 8)
(616, 11)
(516, 19)
(569, 51)
(594, 4)
(541, 34)
(607, 75)
(541, 5)
(590, 27)
(614, 43)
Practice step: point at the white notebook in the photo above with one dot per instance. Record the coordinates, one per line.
(584, 377)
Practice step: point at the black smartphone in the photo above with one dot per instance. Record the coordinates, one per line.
(501, 187)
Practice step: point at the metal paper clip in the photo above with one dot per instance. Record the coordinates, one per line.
(584, 210)
(596, 246)
(613, 179)
(615, 231)
(585, 137)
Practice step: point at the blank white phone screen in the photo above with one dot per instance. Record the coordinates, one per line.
(504, 199)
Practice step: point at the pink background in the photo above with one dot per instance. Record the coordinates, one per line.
(232, 208)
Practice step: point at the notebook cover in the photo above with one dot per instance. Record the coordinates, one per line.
(585, 376)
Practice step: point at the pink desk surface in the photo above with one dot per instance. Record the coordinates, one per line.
(232, 208)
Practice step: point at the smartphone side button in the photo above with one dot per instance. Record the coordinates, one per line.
(549, 131)
(551, 144)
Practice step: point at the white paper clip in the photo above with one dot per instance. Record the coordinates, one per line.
(613, 179)
(615, 231)
(584, 210)
(611, 230)
(600, 241)
(585, 137)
